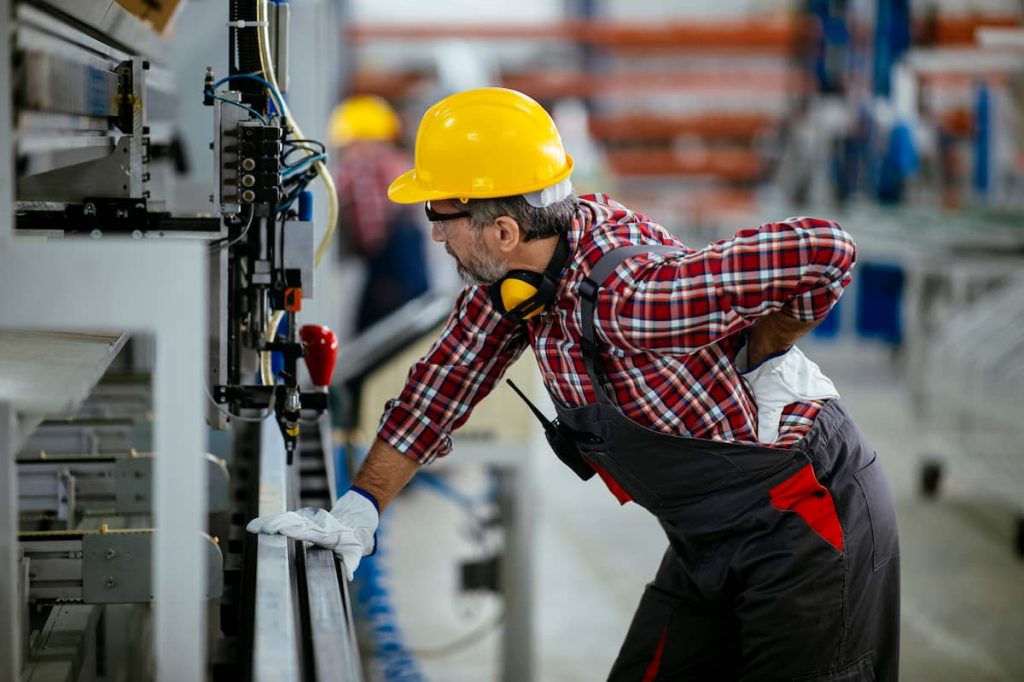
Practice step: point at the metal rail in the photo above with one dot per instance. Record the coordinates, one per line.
(303, 629)
(275, 656)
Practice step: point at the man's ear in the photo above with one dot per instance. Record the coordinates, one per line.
(507, 234)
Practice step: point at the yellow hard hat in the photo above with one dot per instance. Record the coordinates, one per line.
(363, 117)
(483, 143)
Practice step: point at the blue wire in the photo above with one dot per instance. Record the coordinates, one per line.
(273, 91)
(302, 165)
(240, 106)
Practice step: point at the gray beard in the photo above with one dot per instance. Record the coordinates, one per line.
(486, 271)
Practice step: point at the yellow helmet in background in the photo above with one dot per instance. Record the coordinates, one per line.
(483, 143)
(363, 117)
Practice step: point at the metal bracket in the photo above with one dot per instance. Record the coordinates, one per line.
(133, 478)
(113, 176)
(133, 485)
(118, 176)
(117, 568)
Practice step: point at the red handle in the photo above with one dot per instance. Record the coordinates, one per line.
(321, 352)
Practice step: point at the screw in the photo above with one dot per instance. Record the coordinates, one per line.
(136, 234)
(95, 234)
(111, 582)
(111, 553)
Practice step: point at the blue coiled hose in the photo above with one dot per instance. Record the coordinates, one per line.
(373, 598)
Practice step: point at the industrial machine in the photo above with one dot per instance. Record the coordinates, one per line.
(260, 231)
(96, 154)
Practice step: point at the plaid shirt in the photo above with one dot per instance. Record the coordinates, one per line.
(669, 327)
(362, 181)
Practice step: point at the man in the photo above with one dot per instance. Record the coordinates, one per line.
(675, 379)
(388, 237)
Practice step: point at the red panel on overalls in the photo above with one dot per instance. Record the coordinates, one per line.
(621, 495)
(801, 493)
(652, 669)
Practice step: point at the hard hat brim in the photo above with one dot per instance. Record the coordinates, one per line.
(406, 189)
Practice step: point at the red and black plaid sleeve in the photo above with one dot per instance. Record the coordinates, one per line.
(463, 366)
(681, 303)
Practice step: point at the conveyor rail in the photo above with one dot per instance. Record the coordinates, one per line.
(302, 627)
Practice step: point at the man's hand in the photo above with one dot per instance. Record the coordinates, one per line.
(774, 334)
(348, 529)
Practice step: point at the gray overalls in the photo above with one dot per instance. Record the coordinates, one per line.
(782, 564)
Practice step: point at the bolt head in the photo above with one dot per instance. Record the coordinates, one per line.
(96, 234)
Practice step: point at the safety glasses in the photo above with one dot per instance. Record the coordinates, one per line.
(443, 221)
(436, 217)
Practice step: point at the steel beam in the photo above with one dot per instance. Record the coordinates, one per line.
(10, 609)
(275, 656)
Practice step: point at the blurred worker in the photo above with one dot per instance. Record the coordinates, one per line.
(675, 379)
(387, 236)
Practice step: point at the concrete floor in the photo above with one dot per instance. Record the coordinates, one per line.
(963, 587)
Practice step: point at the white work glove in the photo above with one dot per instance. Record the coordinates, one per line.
(781, 380)
(347, 530)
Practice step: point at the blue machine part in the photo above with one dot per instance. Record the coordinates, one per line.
(373, 603)
(892, 39)
(982, 139)
(899, 162)
(306, 205)
(879, 302)
(276, 358)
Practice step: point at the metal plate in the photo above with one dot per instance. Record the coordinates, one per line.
(134, 486)
(118, 568)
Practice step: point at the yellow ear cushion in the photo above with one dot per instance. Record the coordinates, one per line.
(515, 291)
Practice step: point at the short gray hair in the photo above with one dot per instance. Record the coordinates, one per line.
(536, 223)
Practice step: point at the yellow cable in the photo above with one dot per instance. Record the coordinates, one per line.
(267, 65)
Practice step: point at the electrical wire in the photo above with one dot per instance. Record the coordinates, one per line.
(245, 230)
(301, 141)
(296, 148)
(302, 165)
(267, 66)
(237, 104)
(274, 91)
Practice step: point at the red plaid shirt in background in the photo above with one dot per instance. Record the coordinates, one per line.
(362, 175)
(668, 325)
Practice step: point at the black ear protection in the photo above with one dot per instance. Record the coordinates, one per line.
(521, 294)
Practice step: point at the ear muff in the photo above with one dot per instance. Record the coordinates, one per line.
(521, 294)
(517, 294)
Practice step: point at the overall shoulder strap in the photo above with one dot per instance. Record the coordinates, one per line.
(588, 288)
